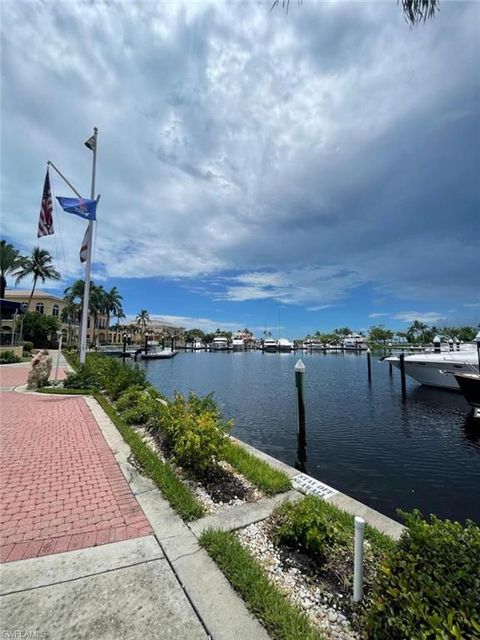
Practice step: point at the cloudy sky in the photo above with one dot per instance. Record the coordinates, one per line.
(309, 170)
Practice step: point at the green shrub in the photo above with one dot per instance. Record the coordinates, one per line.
(139, 406)
(429, 586)
(8, 357)
(27, 346)
(118, 377)
(307, 525)
(195, 432)
(83, 378)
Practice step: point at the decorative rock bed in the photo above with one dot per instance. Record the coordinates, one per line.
(289, 574)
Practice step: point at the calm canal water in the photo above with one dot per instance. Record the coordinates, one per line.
(363, 440)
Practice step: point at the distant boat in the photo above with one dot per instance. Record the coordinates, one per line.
(284, 345)
(220, 344)
(155, 353)
(197, 345)
(313, 345)
(354, 342)
(238, 344)
(270, 345)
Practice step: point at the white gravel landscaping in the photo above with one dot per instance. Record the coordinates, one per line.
(321, 606)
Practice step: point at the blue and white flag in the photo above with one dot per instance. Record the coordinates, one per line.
(86, 209)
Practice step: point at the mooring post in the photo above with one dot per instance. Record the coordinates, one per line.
(124, 355)
(146, 343)
(477, 340)
(402, 374)
(437, 344)
(358, 559)
(390, 371)
(369, 364)
(450, 344)
(171, 344)
(299, 371)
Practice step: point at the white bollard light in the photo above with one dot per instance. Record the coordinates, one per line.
(358, 559)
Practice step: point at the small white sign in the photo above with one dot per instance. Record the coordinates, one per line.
(310, 486)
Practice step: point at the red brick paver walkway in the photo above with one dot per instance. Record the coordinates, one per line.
(16, 376)
(61, 487)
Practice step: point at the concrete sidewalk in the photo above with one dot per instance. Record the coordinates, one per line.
(120, 590)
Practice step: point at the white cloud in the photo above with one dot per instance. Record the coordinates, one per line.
(421, 316)
(298, 286)
(205, 324)
(472, 305)
(378, 315)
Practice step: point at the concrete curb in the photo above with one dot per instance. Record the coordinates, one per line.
(243, 515)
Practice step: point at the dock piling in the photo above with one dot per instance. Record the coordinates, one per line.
(299, 371)
(402, 374)
(369, 364)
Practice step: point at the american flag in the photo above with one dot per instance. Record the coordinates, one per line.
(84, 247)
(45, 221)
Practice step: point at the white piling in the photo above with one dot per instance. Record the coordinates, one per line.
(358, 559)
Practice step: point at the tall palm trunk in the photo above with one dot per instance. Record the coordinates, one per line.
(33, 290)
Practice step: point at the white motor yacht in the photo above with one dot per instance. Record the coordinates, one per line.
(238, 344)
(354, 342)
(220, 343)
(436, 369)
(284, 345)
(270, 345)
(313, 345)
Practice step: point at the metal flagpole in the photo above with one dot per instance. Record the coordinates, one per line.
(64, 178)
(88, 263)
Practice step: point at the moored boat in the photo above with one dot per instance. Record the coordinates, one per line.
(430, 368)
(284, 345)
(469, 384)
(238, 342)
(354, 342)
(270, 345)
(220, 343)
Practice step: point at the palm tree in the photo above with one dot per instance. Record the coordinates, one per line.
(112, 305)
(96, 305)
(415, 11)
(70, 315)
(39, 265)
(417, 329)
(10, 260)
(142, 319)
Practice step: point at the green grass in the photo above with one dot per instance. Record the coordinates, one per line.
(178, 494)
(72, 358)
(66, 392)
(377, 539)
(283, 620)
(260, 473)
